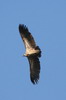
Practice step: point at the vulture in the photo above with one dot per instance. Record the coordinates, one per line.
(33, 52)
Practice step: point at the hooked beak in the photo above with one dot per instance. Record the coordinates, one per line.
(23, 55)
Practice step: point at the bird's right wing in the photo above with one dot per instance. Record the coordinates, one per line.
(34, 69)
(26, 37)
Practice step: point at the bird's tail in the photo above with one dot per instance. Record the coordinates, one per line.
(37, 48)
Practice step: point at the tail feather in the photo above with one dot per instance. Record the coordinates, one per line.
(37, 48)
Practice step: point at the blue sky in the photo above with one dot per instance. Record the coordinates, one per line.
(46, 20)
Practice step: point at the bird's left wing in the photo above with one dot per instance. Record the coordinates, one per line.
(34, 68)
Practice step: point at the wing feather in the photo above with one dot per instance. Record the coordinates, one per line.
(26, 37)
(34, 68)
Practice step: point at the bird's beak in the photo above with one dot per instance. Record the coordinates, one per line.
(23, 55)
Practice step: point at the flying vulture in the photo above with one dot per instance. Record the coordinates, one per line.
(33, 53)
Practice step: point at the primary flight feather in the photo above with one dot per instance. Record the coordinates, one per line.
(33, 53)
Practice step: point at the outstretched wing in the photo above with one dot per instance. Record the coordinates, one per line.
(34, 69)
(26, 37)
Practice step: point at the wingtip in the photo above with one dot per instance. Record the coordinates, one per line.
(34, 78)
(23, 28)
(34, 81)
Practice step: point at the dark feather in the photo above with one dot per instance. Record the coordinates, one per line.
(26, 35)
(37, 48)
(34, 69)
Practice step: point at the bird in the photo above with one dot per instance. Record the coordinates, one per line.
(33, 53)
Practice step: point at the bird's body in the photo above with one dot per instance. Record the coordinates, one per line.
(33, 53)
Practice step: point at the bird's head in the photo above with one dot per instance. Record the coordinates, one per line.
(25, 55)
